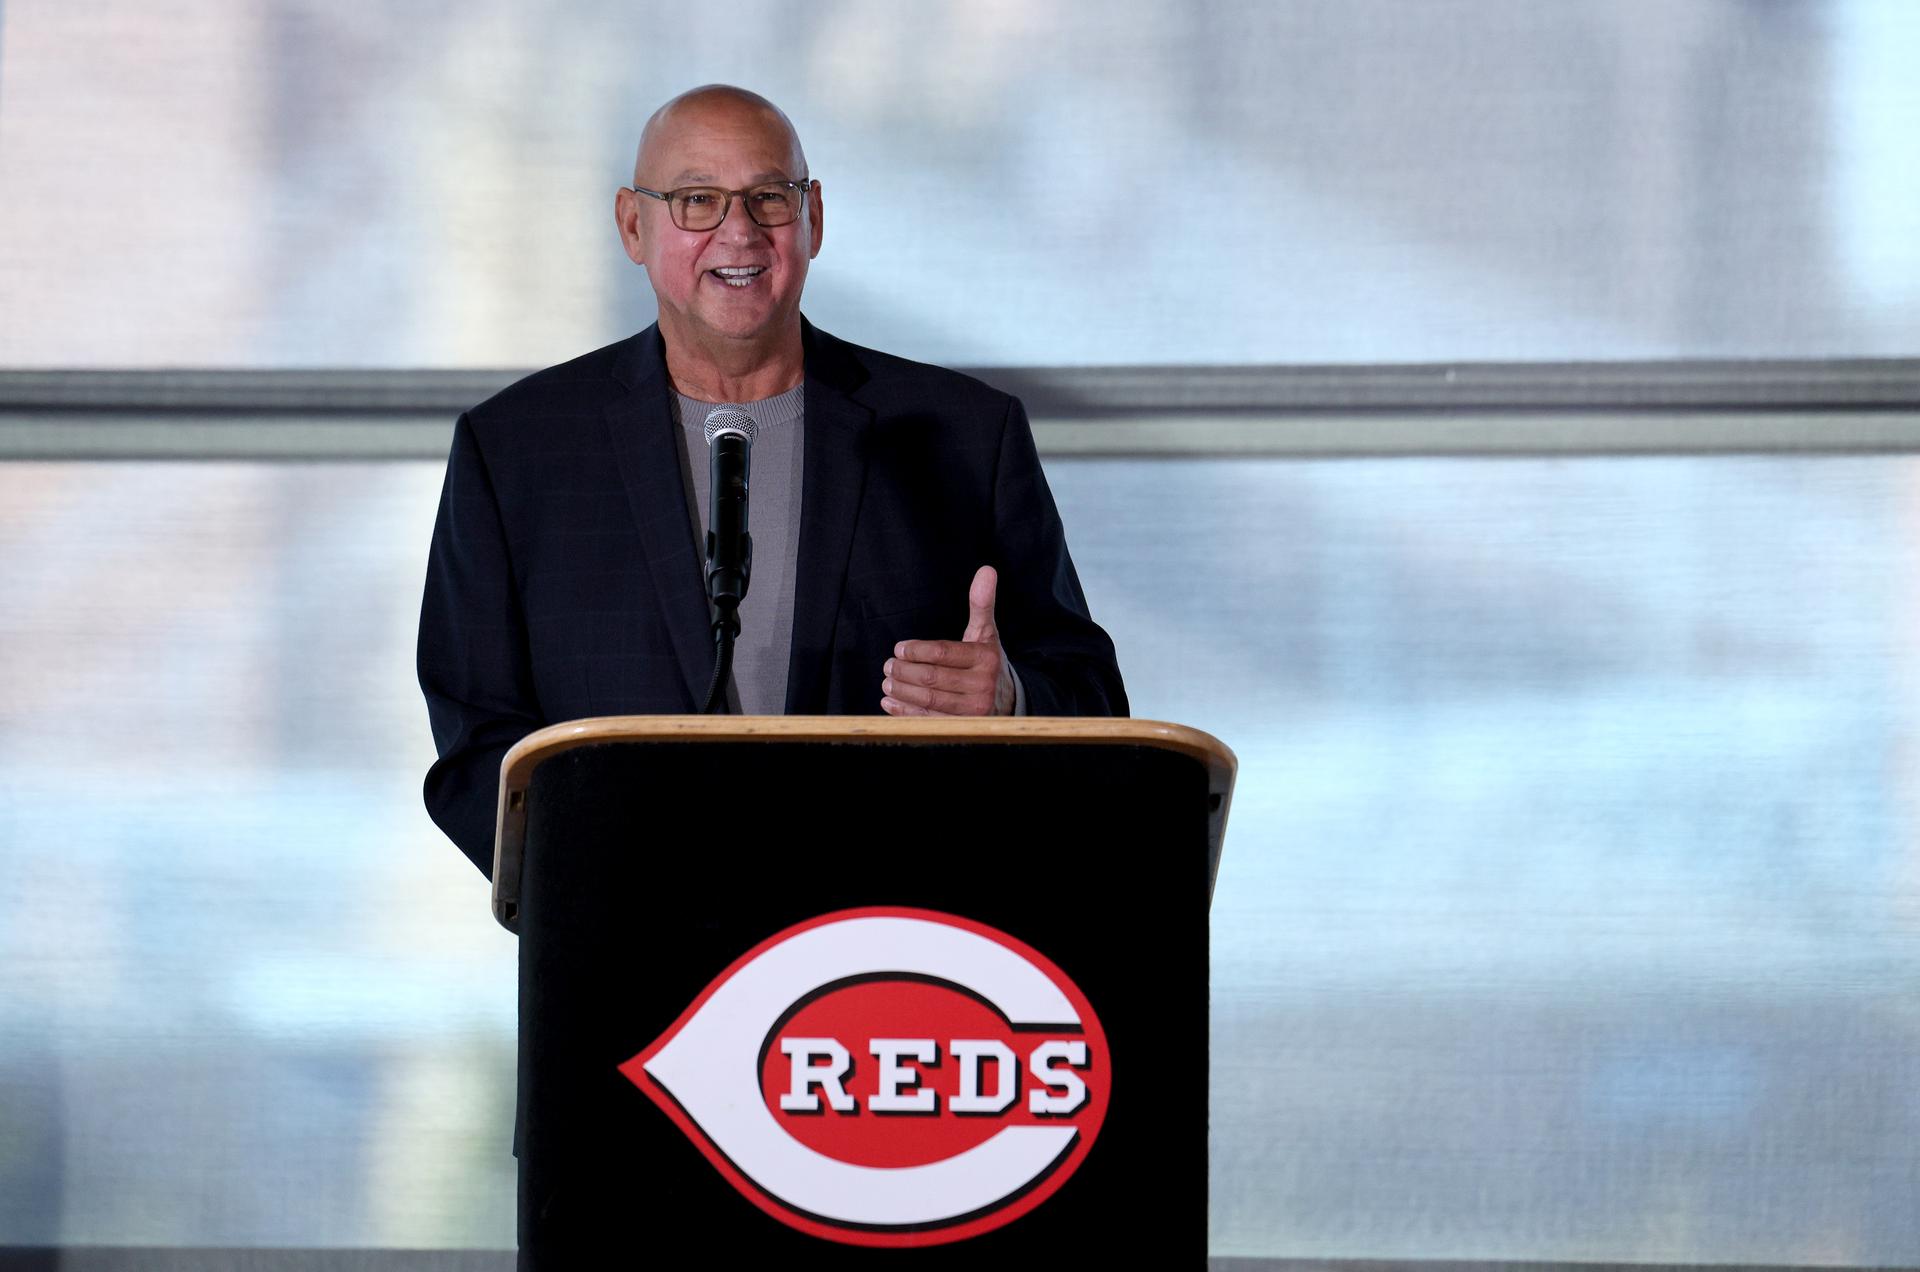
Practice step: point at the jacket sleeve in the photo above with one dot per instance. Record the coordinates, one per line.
(473, 658)
(1065, 661)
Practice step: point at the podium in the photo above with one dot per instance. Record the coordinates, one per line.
(828, 992)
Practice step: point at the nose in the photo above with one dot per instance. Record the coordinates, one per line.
(737, 225)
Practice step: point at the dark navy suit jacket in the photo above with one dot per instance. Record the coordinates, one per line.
(564, 580)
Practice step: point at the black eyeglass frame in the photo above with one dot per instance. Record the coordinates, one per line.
(802, 187)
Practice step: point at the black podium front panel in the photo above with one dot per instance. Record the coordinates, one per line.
(1022, 1072)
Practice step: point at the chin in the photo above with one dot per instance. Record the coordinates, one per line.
(744, 325)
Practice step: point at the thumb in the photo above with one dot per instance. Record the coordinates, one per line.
(980, 625)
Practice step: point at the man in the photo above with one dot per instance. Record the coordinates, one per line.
(893, 503)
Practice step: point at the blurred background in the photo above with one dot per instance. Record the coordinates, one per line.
(1495, 420)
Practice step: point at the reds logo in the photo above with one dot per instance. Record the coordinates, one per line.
(887, 1076)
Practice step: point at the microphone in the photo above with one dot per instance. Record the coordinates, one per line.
(730, 433)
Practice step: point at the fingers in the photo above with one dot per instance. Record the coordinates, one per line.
(962, 679)
(912, 700)
(941, 653)
(939, 689)
(980, 597)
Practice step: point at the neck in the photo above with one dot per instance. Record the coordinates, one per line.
(745, 374)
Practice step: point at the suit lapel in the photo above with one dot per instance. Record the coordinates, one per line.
(641, 432)
(833, 474)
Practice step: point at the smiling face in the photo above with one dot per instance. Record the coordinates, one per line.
(732, 294)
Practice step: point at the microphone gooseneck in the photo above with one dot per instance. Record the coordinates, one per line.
(729, 432)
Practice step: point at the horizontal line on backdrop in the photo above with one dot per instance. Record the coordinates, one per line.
(100, 436)
(1072, 392)
(1466, 409)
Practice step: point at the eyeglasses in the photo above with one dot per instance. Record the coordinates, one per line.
(703, 207)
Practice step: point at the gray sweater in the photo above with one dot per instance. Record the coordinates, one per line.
(759, 684)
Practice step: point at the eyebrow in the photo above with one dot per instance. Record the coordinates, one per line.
(765, 175)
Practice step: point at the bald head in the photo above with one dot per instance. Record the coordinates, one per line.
(708, 104)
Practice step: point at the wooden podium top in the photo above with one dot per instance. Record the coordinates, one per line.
(516, 770)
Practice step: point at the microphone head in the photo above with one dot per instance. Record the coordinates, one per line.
(729, 419)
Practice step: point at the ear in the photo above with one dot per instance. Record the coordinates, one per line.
(626, 217)
(813, 215)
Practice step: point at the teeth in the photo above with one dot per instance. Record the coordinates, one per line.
(739, 275)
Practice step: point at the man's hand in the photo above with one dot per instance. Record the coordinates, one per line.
(965, 677)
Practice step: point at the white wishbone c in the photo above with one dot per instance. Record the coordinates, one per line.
(711, 1068)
